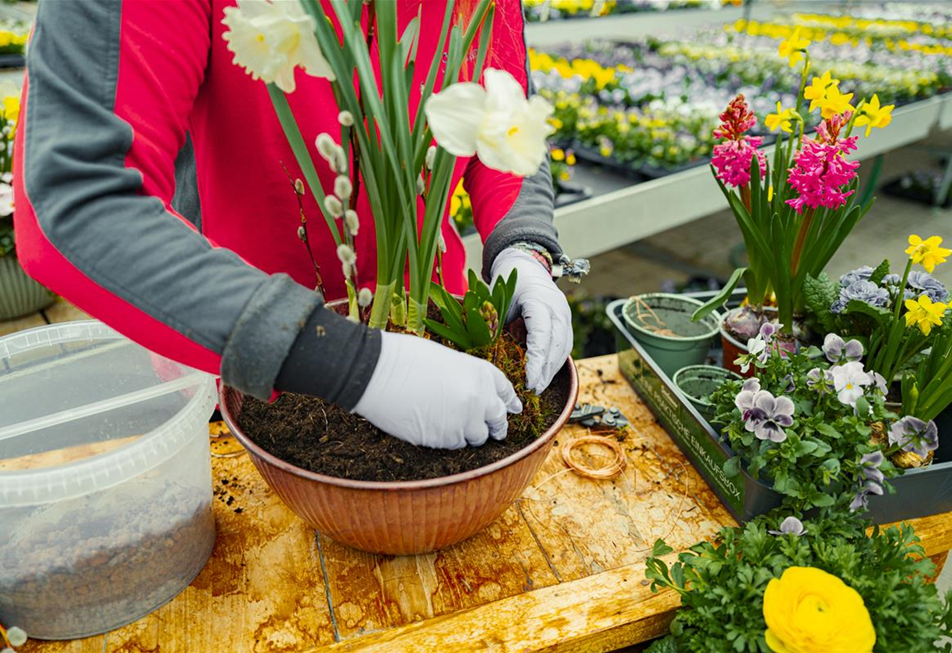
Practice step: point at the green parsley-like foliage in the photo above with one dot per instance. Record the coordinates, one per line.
(477, 321)
(722, 583)
(818, 464)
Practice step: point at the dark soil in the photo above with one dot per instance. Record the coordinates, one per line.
(321, 437)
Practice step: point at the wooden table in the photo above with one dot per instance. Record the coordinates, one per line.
(561, 570)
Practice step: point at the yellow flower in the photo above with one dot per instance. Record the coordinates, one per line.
(557, 154)
(873, 115)
(817, 89)
(835, 102)
(793, 47)
(780, 119)
(928, 252)
(770, 193)
(810, 611)
(924, 313)
(570, 158)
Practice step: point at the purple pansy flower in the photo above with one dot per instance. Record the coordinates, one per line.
(767, 416)
(790, 526)
(869, 465)
(820, 380)
(839, 351)
(861, 500)
(914, 435)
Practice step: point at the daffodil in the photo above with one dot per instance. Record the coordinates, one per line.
(818, 87)
(497, 123)
(928, 253)
(872, 115)
(924, 313)
(270, 39)
(793, 47)
(780, 120)
(835, 102)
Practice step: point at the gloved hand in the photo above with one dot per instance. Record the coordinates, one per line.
(546, 313)
(433, 396)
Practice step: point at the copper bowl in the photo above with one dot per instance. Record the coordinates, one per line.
(402, 517)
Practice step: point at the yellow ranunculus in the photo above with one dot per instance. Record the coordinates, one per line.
(924, 313)
(810, 611)
(928, 252)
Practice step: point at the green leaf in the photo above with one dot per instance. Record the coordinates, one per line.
(828, 431)
(477, 327)
(880, 272)
(718, 300)
(460, 339)
(449, 307)
(881, 315)
(666, 645)
(732, 466)
(824, 500)
(819, 293)
(660, 549)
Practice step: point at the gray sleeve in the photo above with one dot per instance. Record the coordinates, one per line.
(90, 208)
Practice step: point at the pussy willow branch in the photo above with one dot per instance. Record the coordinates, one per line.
(302, 231)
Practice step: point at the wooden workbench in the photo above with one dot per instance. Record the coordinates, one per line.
(561, 570)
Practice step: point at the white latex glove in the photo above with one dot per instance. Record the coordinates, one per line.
(432, 396)
(546, 313)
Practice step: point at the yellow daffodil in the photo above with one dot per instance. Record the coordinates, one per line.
(872, 115)
(835, 102)
(924, 313)
(928, 253)
(818, 87)
(810, 611)
(770, 193)
(456, 200)
(793, 47)
(780, 120)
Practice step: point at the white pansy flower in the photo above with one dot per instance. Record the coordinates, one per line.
(364, 297)
(346, 118)
(271, 38)
(497, 123)
(333, 206)
(352, 222)
(342, 187)
(6, 200)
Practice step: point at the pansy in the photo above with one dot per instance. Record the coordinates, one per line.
(790, 526)
(820, 381)
(837, 350)
(869, 465)
(769, 416)
(849, 381)
(914, 435)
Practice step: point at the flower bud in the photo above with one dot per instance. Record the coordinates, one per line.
(364, 297)
(346, 255)
(346, 118)
(491, 316)
(333, 206)
(338, 161)
(325, 145)
(352, 222)
(17, 636)
(302, 234)
(343, 188)
(442, 244)
(430, 156)
(346, 270)
(299, 187)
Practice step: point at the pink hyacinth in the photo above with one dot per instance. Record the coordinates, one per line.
(736, 119)
(819, 173)
(732, 160)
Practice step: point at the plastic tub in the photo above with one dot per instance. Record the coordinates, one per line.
(105, 480)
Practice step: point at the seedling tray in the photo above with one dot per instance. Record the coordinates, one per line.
(919, 492)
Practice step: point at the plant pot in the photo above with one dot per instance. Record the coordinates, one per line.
(19, 294)
(682, 342)
(403, 517)
(697, 382)
(733, 348)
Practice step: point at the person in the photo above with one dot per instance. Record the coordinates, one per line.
(137, 127)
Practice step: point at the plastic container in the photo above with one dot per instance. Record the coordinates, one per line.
(697, 382)
(662, 324)
(105, 480)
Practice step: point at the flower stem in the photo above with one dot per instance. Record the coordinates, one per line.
(745, 195)
(801, 237)
(380, 310)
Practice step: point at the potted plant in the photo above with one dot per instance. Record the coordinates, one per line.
(409, 499)
(795, 212)
(19, 294)
(900, 319)
(662, 323)
(813, 586)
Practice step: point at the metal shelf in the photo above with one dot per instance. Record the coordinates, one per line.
(617, 218)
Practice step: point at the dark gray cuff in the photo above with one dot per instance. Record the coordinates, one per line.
(529, 220)
(331, 358)
(264, 333)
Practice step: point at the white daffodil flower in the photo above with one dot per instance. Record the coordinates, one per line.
(496, 123)
(271, 38)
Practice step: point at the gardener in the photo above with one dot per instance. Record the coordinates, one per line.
(109, 187)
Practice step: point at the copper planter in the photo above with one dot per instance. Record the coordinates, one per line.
(404, 517)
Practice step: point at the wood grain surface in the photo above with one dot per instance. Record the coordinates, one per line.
(561, 570)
